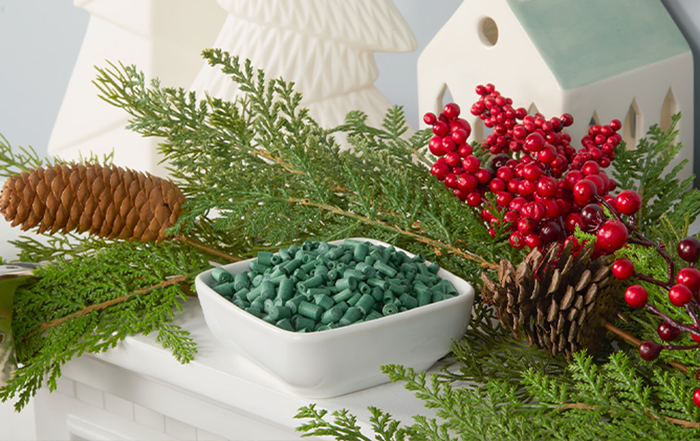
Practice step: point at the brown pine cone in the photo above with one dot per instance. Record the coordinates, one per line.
(109, 202)
(557, 302)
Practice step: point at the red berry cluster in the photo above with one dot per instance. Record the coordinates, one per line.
(538, 180)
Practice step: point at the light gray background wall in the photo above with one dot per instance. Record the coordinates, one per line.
(40, 41)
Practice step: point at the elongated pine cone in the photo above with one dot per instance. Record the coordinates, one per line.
(106, 201)
(557, 302)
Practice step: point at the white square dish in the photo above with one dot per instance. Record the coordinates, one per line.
(338, 361)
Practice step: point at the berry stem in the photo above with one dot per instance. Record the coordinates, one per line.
(654, 310)
(653, 281)
(633, 340)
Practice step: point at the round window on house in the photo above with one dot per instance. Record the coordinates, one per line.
(488, 31)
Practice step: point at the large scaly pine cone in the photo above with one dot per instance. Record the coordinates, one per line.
(106, 201)
(559, 303)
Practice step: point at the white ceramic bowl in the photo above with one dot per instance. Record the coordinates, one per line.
(338, 361)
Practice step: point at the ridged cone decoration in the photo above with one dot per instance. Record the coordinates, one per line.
(105, 201)
(558, 302)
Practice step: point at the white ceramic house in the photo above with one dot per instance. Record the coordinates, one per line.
(164, 38)
(596, 59)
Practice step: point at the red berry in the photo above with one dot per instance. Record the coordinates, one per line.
(547, 186)
(679, 295)
(452, 159)
(534, 142)
(465, 150)
(482, 175)
(526, 188)
(466, 183)
(628, 202)
(435, 146)
(441, 128)
(689, 249)
(548, 154)
(503, 198)
(429, 118)
(650, 350)
(612, 235)
(571, 221)
(533, 241)
(440, 170)
(474, 199)
(667, 332)
(526, 225)
(623, 269)
(459, 136)
(636, 296)
(505, 173)
(451, 180)
(616, 124)
(584, 191)
(451, 110)
(696, 397)
(517, 203)
(689, 277)
(571, 178)
(448, 145)
(599, 183)
(567, 119)
(592, 216)
(516, 240)
(471, 164)
(532, 171)
(497, 185)
(550, 231)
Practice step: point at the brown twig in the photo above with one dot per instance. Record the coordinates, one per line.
(680, 422)
(632, 339)
(106, 304)
(207, 249)
(432, 242)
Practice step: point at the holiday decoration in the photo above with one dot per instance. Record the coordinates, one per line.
(106, 201)
(558, 301)
(261, 174)
(537, 180)
(148, 33)
(325, 47)
(568, 71)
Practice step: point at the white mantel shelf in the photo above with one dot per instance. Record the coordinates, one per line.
(139, 391)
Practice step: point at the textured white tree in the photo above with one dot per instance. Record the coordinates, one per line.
(325, 47)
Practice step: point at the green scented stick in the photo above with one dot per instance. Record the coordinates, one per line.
(333, 315)
(366, 303)
(310, 310)
(352, 315)
(220, 275)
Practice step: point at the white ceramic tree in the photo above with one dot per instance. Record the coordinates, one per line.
(325, 46)
(164, 38)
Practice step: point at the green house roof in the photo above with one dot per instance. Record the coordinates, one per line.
(585, 41)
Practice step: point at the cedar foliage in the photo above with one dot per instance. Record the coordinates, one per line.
(259, 173)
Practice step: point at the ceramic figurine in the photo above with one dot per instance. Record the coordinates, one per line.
(597, 60)
(324, 46)
(164, 38)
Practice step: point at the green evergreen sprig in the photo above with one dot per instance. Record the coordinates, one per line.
(13, 162)
(648, 169)
(615, 400)
(90, 301)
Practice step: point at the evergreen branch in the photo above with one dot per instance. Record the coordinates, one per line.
(12, 163)
(96, 307)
